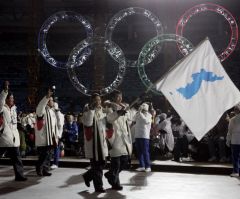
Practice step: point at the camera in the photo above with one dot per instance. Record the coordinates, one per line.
(53, 88)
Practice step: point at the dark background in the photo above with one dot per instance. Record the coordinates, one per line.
(30, 75)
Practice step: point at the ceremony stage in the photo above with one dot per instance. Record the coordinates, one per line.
(157, 165)
(68, 183)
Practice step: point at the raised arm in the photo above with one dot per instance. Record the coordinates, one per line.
(3, 95)
(43, 103)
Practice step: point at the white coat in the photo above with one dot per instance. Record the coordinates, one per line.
(47, 125)
(94, 122)
(233, 135)
(121, 140)
(9, 136)
(168, 137)
(143, 125)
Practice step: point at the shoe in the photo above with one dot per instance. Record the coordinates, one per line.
(234, 174)
(212, 159)
(117, 187)
(100, 190)
(187, 159)
(140, 169)
(54, 166)
(39, 171)
(20, 179)
(87, 182)
(223, 159)
(107, 175)
(148, 169)
(46, 173)
(177, 159)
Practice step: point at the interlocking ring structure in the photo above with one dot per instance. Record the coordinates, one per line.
(184, 19)
(113, 49)
(186, 46)
(128, 12)
(55, 18)
(149, 52)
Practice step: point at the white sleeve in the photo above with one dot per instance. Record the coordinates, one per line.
(112, 116)
(229, 134)
(145, 118)
(88, 118)
(41, 106)
(3, 97)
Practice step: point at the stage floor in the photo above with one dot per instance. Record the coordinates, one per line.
(157, 165)
(66, 183)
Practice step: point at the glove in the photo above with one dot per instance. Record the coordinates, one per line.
(121, 112)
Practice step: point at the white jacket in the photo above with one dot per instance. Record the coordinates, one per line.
(47, 125)
(9, 136)
(143, 125)
(94, 122)
(233, 135)
(168, 137)
(121, 140)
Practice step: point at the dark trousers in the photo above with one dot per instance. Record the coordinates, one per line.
(117, 165)
(236, 157)
(181, 148)
(142, 146)
(15, 157)
(221, 144)
(44, 158)
(95, 173)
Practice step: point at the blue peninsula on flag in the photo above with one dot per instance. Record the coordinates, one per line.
(192, 88)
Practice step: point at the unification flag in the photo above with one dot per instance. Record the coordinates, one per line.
(199, 89)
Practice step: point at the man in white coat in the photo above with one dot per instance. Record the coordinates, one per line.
(233, 141)
(120, 140)
(96, 149)
(9, 136)
(46, 132)
(166, 133)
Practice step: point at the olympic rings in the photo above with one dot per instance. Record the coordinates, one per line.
(219, 10)
(115, 52)
(128, 12)
(147, 52)
(60, 16)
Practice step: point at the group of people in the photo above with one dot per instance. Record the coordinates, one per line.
(48, 129)
(107, 132)
(110, 129)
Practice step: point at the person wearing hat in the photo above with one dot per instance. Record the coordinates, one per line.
(166, 134)
(9, 135)
(143, 121)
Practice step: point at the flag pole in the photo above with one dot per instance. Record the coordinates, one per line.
(165, 74)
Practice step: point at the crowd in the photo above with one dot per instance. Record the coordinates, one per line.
(112, 129)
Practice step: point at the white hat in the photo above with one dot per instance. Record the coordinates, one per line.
(163, 115)
(145, 107)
